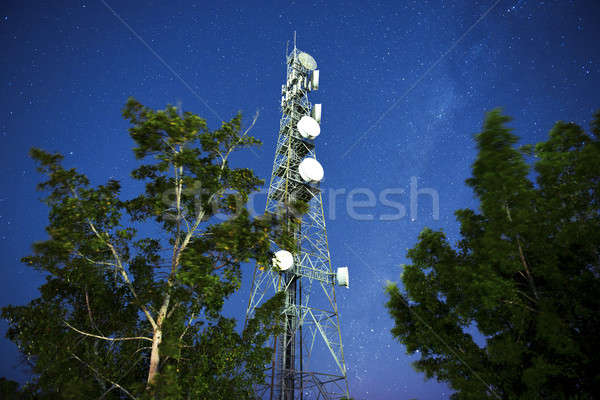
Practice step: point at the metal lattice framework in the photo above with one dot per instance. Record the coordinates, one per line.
(308, 358)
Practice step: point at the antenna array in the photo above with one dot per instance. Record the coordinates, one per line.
(308, 358)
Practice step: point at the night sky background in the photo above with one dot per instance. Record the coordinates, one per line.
(410, 79)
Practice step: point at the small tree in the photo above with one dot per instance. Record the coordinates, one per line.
(526, 274)
(125, 313)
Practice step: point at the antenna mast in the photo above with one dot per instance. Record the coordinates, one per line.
(308, 357)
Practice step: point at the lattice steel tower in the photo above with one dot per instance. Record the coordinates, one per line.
(308, 358)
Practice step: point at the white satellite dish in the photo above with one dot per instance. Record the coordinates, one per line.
(283, 260)
(307, 61)
(311, 170)
(308, 127)
(343, 279)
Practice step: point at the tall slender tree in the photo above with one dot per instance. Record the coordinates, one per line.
(526, 274)
(131, 307)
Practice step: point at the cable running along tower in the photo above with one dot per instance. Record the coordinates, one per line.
(308, 358)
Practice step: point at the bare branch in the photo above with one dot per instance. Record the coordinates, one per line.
(141, 349)
(119, 266)
(251, 125)
(107, 338)
(173, 310)
(123, 273)
(522, 257)
(80, 254)
(87, 303)
(107, 392)
(187, 326)
(167, 143)
(104, 378)
(518, 304)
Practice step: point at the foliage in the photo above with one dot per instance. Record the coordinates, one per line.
(125, 313)
(9, 390)
(525, 274)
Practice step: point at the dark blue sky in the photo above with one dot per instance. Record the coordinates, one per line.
(410, 79)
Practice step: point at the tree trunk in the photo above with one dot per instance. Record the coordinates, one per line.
(154, 356)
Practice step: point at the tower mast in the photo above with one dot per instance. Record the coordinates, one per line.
(310, 318)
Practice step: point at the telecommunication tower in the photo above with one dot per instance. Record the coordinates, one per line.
(308, 357)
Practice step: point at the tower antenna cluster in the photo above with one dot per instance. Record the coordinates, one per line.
(308, 357)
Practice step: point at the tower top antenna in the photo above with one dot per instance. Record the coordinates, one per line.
(294, 40)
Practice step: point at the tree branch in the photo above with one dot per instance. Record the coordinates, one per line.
(80, 254)
(254, 119)
(522, 257)
(104, 337)
(87, 303)
(121, 269)
(518, 304)
(104, 378)
(118, 265)
(179, 248)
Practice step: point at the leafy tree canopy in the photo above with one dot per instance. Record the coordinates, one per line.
(526, 274)
(129, 315)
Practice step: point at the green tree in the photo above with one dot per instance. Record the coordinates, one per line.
(525, 273)
(9, 390)
(131, 307)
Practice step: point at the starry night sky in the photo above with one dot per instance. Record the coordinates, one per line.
(410, 79)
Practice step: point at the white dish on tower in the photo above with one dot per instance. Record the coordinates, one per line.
(308, 127)
(283, 260)
(343, 279)
(311, 170)
(307, 61)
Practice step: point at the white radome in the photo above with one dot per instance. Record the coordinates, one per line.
(343, 279)
(307, 61)
(283, 260)
(311, 170)
(308, 127)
